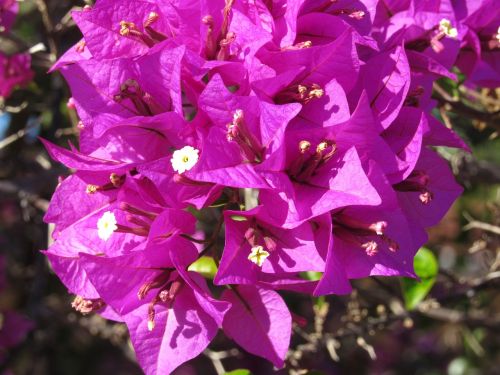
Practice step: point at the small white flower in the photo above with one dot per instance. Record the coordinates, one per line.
(106, 225)
(258, 255)
(445, 27)
(184, 159)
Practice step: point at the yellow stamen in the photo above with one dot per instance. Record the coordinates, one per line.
(91, 189)
(258, 255)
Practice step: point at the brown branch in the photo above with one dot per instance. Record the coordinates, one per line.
(492, 119)
(47, 22)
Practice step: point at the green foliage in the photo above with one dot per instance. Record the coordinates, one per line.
(205, 266)
(239, 372)
(311, 275)
(238, 218)
(426, 268)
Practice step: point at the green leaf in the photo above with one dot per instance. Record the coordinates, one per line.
(205, 266)
(238, 218)
(311, 275)
(239, 372)
(426, 268)
(319, 301)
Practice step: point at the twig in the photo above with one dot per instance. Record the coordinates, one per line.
(17, 109)
(492, 119)
(484, 226)
(47, 22)
(7, 187)
(483, 98)
(474, 318)
(216, 358)
(475, 224)
(12, 138)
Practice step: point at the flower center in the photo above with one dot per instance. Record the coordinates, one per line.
(184, 159)
(418, 182)
(168, 284)
(433, 37)
(143, 102)
(367, 236)
(258, 255)
(217, 46)
(352, 13)
(106, 225)
(307, 163)
(80, 46)
(490, 42)
(299, 93)
(258, 237)
(446, 28)
(413, 97)
(237, 131)
(297, 46)
(116, 181)
(149, 37)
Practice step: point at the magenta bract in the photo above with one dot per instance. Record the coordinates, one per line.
(320, 110)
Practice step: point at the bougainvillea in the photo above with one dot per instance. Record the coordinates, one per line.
(322, 107)
(8, 11)
(14, 69)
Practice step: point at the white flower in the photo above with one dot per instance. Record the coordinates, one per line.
(184, 159)
(498, 34)
(106, 225)
(258, 255)
(445, 27)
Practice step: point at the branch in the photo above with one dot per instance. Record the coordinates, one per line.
(484, 226)
(492, 119)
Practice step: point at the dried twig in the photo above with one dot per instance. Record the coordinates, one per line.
(484, 226)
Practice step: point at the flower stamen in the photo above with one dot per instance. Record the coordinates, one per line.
(238, 132)
(129, 29)
(157, 36)
(142, 101)
(446, 28)
(418, 182)
(116, 182)
(106, 225)
(306, 165)
(184, 159)
(299, 93)
(258, 255)
(301, 45)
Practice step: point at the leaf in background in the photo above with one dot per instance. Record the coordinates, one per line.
(238, 218)
(205, 266)
(311, 275)
(239, 372)
(426, 268)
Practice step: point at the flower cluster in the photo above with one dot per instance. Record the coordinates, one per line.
(15, 69)
(186, 107)
(8, 11)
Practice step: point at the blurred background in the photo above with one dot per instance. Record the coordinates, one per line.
(448, 324)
